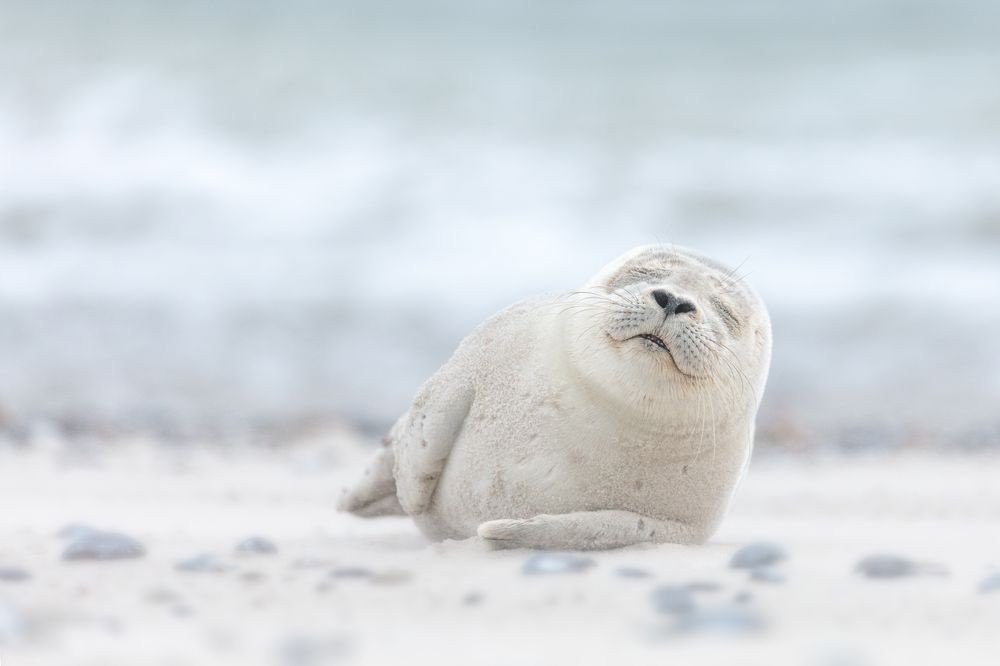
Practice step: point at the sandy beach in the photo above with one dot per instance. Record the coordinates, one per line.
(343, 590)
(237, 237)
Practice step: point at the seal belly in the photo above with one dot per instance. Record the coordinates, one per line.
(523, 474)
(539, 474)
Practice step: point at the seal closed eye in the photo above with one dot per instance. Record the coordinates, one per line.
(570, 439)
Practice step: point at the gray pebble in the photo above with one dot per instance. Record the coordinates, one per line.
(252, 577)
(632, 572)
(396, 577)
(351, 572)
(312, 651)
(203, 563)
(182, 611)
(14, 574)
(161, 595)
(473, 598)
(703, 586)
(743, 597)
(725, 620)
(111, 624)
(256, 545)
(673, 599)
(309, 563)
(12, 624)
(990, 584)
(885, 566)
(758, 555)
(767, 575)
(103, 546)
(555, 563)
(839, 655)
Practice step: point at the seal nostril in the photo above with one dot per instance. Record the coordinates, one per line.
(684, 306)
(662, 297)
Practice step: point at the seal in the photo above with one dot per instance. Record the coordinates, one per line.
(617, 414)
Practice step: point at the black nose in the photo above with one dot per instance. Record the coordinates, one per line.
(671, 304)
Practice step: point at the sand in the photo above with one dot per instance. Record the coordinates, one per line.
(344, 590)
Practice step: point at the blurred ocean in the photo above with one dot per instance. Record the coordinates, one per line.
(230, 212)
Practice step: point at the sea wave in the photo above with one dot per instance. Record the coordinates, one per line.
(315, 235)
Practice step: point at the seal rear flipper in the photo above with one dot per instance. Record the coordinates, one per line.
(588, 530)
(375, 493)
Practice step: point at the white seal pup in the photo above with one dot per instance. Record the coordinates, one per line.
(618, 414)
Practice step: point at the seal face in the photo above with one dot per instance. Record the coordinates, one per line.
(683, 326)
(619, 413)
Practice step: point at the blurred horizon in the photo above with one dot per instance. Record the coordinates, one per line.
(239, 213)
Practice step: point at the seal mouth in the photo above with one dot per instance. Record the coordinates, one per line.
(655, 339)
(658, 341)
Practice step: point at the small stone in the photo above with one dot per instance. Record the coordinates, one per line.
(703, 586)
(632, 572)
(182, 611)
(673, 599)
(556, 563)
(758, 555)
(743, 597)
(312, 651)
(14, 574)
(725, 620)
(12, 624)
(112, 624)
(309, 563)
(252, 577)
(767, 575)
(473, 598)
(351, 572)
(838, 654)
(990, 584)
(392, 578)
(886, 566)
(103, 546)
(161, 595)
(203, 563)
(256, 545)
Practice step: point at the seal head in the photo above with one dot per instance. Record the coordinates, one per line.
(661, 327)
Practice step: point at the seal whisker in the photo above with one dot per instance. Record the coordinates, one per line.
(746, 381)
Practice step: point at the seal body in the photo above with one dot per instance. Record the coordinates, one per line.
(617, 414)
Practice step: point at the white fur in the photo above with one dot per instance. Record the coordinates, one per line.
(553, 426)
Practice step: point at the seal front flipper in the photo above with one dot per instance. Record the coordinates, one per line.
(588, 530)
(424, 436)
